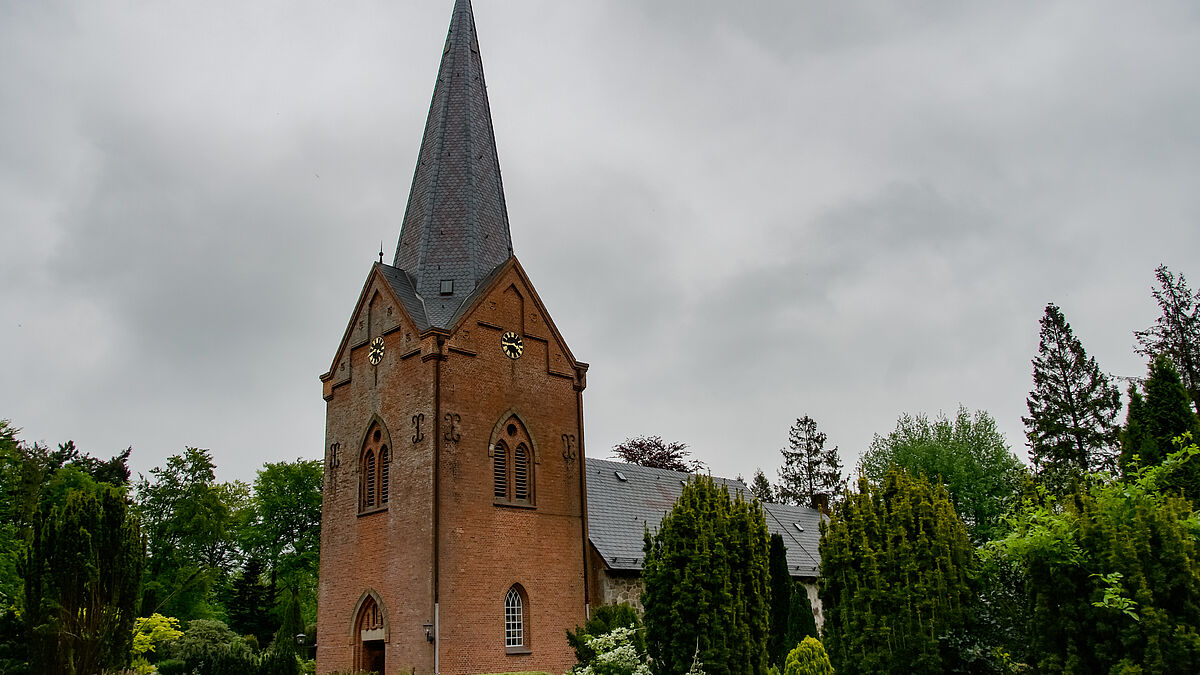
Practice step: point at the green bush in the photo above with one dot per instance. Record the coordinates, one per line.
(808, 658)
(604, 619)
(171, 667)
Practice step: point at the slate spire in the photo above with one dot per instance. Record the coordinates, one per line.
(455, 228)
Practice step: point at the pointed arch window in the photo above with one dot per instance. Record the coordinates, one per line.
(374, 466)
(513, 464)
(516, 608)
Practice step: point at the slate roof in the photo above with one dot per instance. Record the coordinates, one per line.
(618, 510)
(456, 225)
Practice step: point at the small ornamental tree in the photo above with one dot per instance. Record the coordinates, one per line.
(896, 570)
(1072, 426)
(808, 467)
(808, 658)
(654, 452)
(706, 591)
(1177, 332)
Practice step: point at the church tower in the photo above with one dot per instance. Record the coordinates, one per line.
(453, 529)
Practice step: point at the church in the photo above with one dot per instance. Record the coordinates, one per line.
(457, 499)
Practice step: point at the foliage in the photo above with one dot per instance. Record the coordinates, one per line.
(203, 637)
(967, 455)
(613, 653)
(761, 488)
(808, 468)
(1112, 576)
(250, 603)
(1156, 415)
(154, 631)
(1176, 333)
(791, 613)
(808, 658)
(171, 667)
(706, 584)
(1073, 407)
(603, 620)
(191, 526)
(292, 625)
(654, 452)
(285, 525)
(82, 571)
(896, 570)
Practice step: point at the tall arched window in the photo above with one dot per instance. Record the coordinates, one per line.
(516, 640)
(521, 474)
(513, 464)
(383, 475)
(499, 472)
(369, 472)
(374, 468)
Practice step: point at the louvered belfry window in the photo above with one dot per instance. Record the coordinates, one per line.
(500, 472)
(521, 474)
(383, 475)
(514, 619)
(374, 467)
(514, 464)
(369, 472)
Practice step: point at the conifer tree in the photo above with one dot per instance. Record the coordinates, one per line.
(1073, 407)
(779, 643)
(1177, 332)
(760, 487)
(1155, 417)
(808, 658)
(706, 584)
(808, 468)
(896, 570)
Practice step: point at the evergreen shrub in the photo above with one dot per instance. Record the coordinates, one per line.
(808, 658)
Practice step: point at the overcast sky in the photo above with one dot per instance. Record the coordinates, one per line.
(737, 213)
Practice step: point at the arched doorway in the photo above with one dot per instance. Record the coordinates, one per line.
(370, 635)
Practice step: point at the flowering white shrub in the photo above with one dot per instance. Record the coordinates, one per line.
(615, 655)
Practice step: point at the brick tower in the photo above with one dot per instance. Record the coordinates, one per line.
(453, 535)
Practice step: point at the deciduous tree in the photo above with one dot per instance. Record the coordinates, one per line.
(1073, 407)
(654, 452)
(967, 454)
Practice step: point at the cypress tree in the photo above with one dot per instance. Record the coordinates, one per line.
(896, 564)
(1073, 407)
(781, 602)
(706, 584)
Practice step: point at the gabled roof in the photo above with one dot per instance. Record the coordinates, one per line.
(623, 499)
(455, 229)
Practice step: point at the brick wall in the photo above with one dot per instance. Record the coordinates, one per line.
(466, 389)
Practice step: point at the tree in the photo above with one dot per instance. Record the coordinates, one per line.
(151, 632)
(654, 452)
(1156, 415)
(760, 487)
(967, 455)
(808, 658)
(1111, 577)
(1073, 407)
(706, 591)
(250, 603)
(1177, 332)
(191, 524)
(791, 613)
(896, 570)
(83, 571)
(284, 526)
(808, 468)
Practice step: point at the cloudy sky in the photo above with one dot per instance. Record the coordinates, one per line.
(737, 213)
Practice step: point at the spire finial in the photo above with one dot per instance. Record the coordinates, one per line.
(381, 251)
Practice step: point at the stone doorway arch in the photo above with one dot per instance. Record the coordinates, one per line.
(370, 634)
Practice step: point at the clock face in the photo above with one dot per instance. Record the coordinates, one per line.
(511, 343)
(376, 353)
